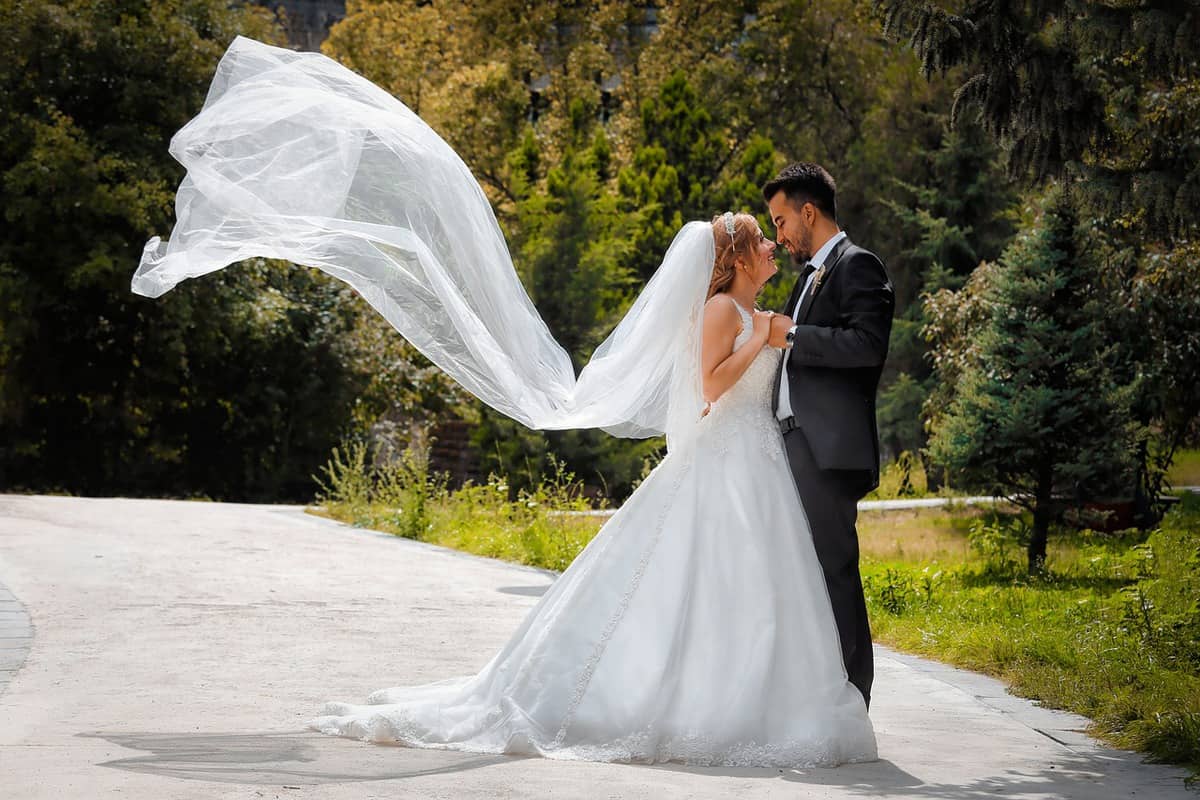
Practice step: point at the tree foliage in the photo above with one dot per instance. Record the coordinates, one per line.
(1038, 415)
(1104, 91)
(942, 231)
(596, 130)
(1106, 98)
(233, 389)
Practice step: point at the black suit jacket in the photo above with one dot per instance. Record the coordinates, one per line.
(836, 359)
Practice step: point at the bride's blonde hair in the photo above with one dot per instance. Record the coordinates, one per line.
(730, 248)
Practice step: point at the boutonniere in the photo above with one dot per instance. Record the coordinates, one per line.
(820, 276)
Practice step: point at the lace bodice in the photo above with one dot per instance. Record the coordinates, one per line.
(745, 409)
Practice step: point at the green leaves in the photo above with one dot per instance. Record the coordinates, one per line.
(225, 389)
(1112, 631)
(1099, 91)
(1037, 413)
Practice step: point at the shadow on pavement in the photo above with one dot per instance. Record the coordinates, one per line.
(303, 758)
(1071, 777)
(300, 758)
(526, 591)
(877, 775)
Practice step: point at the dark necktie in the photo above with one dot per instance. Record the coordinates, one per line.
(809, 269)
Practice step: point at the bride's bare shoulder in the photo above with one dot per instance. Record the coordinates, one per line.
(720, 314)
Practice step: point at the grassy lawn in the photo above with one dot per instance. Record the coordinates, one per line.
(1111, 631)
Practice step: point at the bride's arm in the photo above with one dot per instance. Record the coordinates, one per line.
(721, 365)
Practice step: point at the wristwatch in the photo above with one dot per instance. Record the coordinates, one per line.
(790, 336)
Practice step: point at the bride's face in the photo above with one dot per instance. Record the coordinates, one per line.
(762, 267)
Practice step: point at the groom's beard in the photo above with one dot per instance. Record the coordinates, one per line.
(804, 248)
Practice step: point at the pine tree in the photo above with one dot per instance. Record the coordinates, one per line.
(572, 247)
(673, 170)
(1105, 92)
(1037, 415)
(941, 230)
(684, 169)
(572, 244)
(1105, 97)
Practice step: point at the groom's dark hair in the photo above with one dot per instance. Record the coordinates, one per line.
(805, 182)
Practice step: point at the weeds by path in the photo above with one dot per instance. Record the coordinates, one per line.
(1110, 631)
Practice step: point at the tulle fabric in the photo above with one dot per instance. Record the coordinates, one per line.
(695, 627)
(295, 157)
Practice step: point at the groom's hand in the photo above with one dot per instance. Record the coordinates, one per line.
(780, 325)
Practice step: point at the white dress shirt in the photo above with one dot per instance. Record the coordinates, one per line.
(818, 261)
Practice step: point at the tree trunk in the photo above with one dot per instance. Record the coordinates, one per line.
(935, 476)
(1143, 511)
(1042, 500)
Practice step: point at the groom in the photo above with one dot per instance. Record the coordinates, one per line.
(835, 332)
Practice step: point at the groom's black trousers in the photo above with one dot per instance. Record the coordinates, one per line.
(830, 500)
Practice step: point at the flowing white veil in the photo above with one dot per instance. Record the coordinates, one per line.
(295, 157)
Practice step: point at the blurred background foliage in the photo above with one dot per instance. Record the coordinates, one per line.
(597, 129)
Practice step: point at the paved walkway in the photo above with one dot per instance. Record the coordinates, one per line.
(16, 635)
(180, 647)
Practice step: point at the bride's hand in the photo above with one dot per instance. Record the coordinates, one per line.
(762, 324)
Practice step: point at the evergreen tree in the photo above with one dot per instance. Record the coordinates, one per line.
(941, 231)
(1102, 90)
(673, 169)
(1107, 97)
(683, 169)
(1037, 415)
(571, 243)
(571, 247)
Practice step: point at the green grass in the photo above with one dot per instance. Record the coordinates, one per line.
(404, 499)
(1110, 630)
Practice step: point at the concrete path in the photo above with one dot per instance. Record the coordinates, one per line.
(16, 635)
(179, 648)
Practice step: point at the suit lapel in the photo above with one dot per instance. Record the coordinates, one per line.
(831, 262)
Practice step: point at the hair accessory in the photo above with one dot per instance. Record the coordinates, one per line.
(729, 224)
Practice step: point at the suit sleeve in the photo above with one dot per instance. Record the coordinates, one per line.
(860, 339)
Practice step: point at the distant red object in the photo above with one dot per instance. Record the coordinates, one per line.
(1115, 515)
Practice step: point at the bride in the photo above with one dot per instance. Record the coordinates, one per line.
(696, 625)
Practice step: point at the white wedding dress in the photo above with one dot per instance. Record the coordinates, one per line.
(695, 627)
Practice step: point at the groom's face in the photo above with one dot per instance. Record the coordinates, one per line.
(793, 225)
